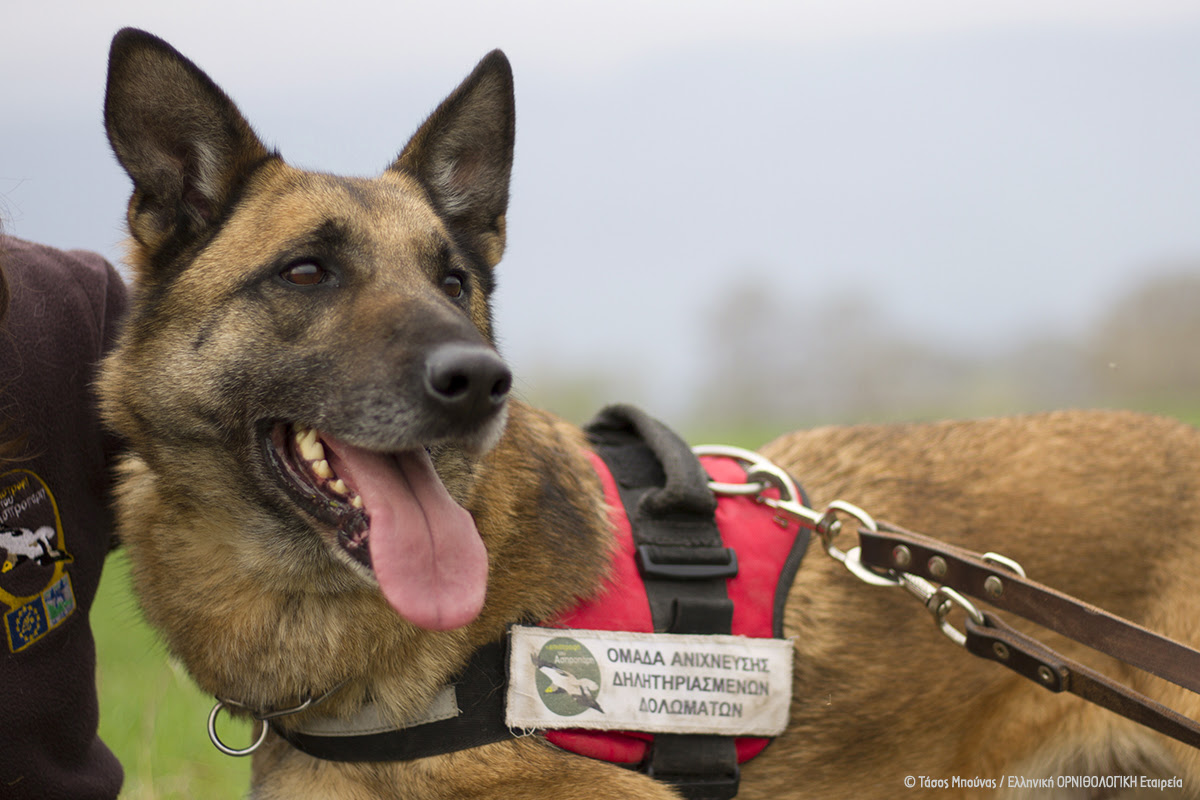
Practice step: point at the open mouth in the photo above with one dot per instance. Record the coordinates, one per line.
(300, 457)
(391, 514)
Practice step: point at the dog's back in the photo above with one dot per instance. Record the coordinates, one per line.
(1104, 506)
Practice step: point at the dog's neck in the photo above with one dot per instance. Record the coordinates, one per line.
(540, 509)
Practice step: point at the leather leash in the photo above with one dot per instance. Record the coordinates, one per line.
(994, 581)
(891, 556)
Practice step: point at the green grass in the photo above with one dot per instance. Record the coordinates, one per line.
(151, 714)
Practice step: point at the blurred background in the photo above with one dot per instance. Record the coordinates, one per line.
(766, 212)
(746, 216)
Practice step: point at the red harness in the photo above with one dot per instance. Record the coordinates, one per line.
(763, 543)
(762, 554)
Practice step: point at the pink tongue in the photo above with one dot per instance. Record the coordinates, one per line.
(426, 553)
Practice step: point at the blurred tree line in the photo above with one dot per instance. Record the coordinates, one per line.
(855, 364)
(775, 363)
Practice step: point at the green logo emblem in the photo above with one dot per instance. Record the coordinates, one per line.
(567, 677)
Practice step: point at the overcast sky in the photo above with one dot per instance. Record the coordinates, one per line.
(980, 169)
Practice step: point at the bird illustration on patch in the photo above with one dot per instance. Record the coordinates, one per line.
(582, 691)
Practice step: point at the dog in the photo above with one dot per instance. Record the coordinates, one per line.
(331, 491)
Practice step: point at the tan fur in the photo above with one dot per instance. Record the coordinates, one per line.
(249, 592)
(1101, 505)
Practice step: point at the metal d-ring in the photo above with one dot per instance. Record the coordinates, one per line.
(262, 718)
(852, 560)
(1004, 561)
(828, 525)
(741, 454)
(761, 474)
(216, 740)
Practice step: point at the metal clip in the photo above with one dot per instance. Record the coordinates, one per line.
(942, 602)
(800, 513)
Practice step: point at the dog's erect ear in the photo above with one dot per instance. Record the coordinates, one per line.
(463, 156)
(180, 138)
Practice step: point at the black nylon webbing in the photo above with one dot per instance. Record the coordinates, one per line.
(479, 691)
(684, 565)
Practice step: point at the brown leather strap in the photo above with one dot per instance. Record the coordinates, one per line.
(998, 642)
(969, 574)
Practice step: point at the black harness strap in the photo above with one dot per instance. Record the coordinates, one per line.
(684, 565)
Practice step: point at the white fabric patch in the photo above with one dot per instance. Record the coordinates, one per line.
(650, 682)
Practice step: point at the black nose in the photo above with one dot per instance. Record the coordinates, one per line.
(466, 380)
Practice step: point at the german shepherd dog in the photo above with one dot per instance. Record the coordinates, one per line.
(331, 486)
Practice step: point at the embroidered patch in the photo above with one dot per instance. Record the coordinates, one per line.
(59, 601)
(36, 594)
(29, 622)
(650, 682)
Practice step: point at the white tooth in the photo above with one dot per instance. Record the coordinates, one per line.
(339, 486)
(356, 501)
(321, 467)
(310, 448)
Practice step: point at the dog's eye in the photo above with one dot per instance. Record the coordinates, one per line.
(304, 273)
(452, 285)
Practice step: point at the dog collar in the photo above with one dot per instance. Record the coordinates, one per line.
(686, 561)
(466, 713)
